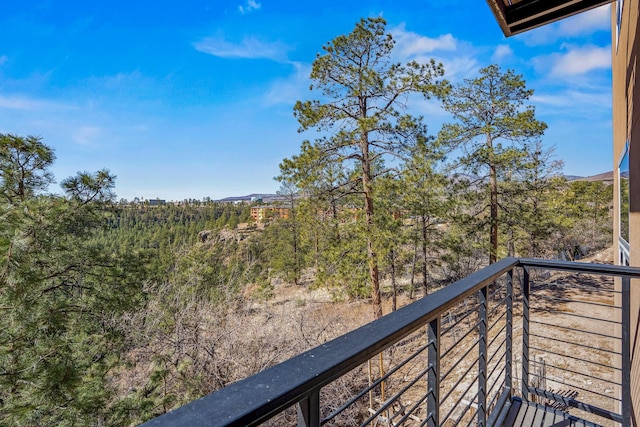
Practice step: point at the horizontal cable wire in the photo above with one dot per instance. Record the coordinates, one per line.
(504, 353)
(466, 353)
(550, 365)
(491, 295)
(414, 407)
(463, 376)
(496, 382)
(575, 286)
(473, 310)
(578, 387)
(574, 329)
(573, 343)
(466, 410)
(455, 344)
(566, 313)
(395, 397)
(375, 383)
(456, 321)
(453, 408)
(574, 358)
(497, 334)
(597, 304)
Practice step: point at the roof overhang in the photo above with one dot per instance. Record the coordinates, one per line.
(517, 16)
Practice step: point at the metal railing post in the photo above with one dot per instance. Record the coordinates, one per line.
(626, 351)
(433, 377)
(309, 410)
(526, 291)
(508, 374)
(482, 357)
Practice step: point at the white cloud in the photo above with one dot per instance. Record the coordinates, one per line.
(411, 45)
(598, 19)
(502, 51)
(586, 106)
(577, 61)
(574, 98)
(250, 48)
(120, 79)
(291, 89)
(30, 104)
(456, 56)
(86, 135)
(249, 7)
(459, 67)
(582, 24)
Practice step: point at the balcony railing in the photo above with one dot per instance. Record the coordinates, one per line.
(460, 356)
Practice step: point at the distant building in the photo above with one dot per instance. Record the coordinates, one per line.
(265, 213)
(157, 202)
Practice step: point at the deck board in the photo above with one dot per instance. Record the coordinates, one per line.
(514, 409)
(523, 414)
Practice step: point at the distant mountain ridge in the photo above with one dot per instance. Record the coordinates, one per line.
(606, 177)
(266, 197)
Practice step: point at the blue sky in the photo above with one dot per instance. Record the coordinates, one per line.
(189, 99)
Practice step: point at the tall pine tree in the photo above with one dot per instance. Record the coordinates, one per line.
(363, 96)
(491, 123)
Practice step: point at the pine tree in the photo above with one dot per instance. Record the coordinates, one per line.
(492, 122)
(60, 293)
(424, 198)
(532, 212)
(361, 115)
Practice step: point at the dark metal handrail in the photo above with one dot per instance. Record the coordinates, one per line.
(581, 267)
(299, 380)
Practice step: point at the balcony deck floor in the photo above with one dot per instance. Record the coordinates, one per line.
(524, 414)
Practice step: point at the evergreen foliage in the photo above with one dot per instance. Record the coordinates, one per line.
(362, 118)
(492, 126)
(60, 294)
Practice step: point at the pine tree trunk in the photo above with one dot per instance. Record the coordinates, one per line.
(334, 211)
(425, 283)
(316, 247)
(376, 300)
(511, 247)
(413, 264)
(394, 284)
(493, 184)
(296, 278)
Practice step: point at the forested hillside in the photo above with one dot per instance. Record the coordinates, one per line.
(116, 313)
(113, 313)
